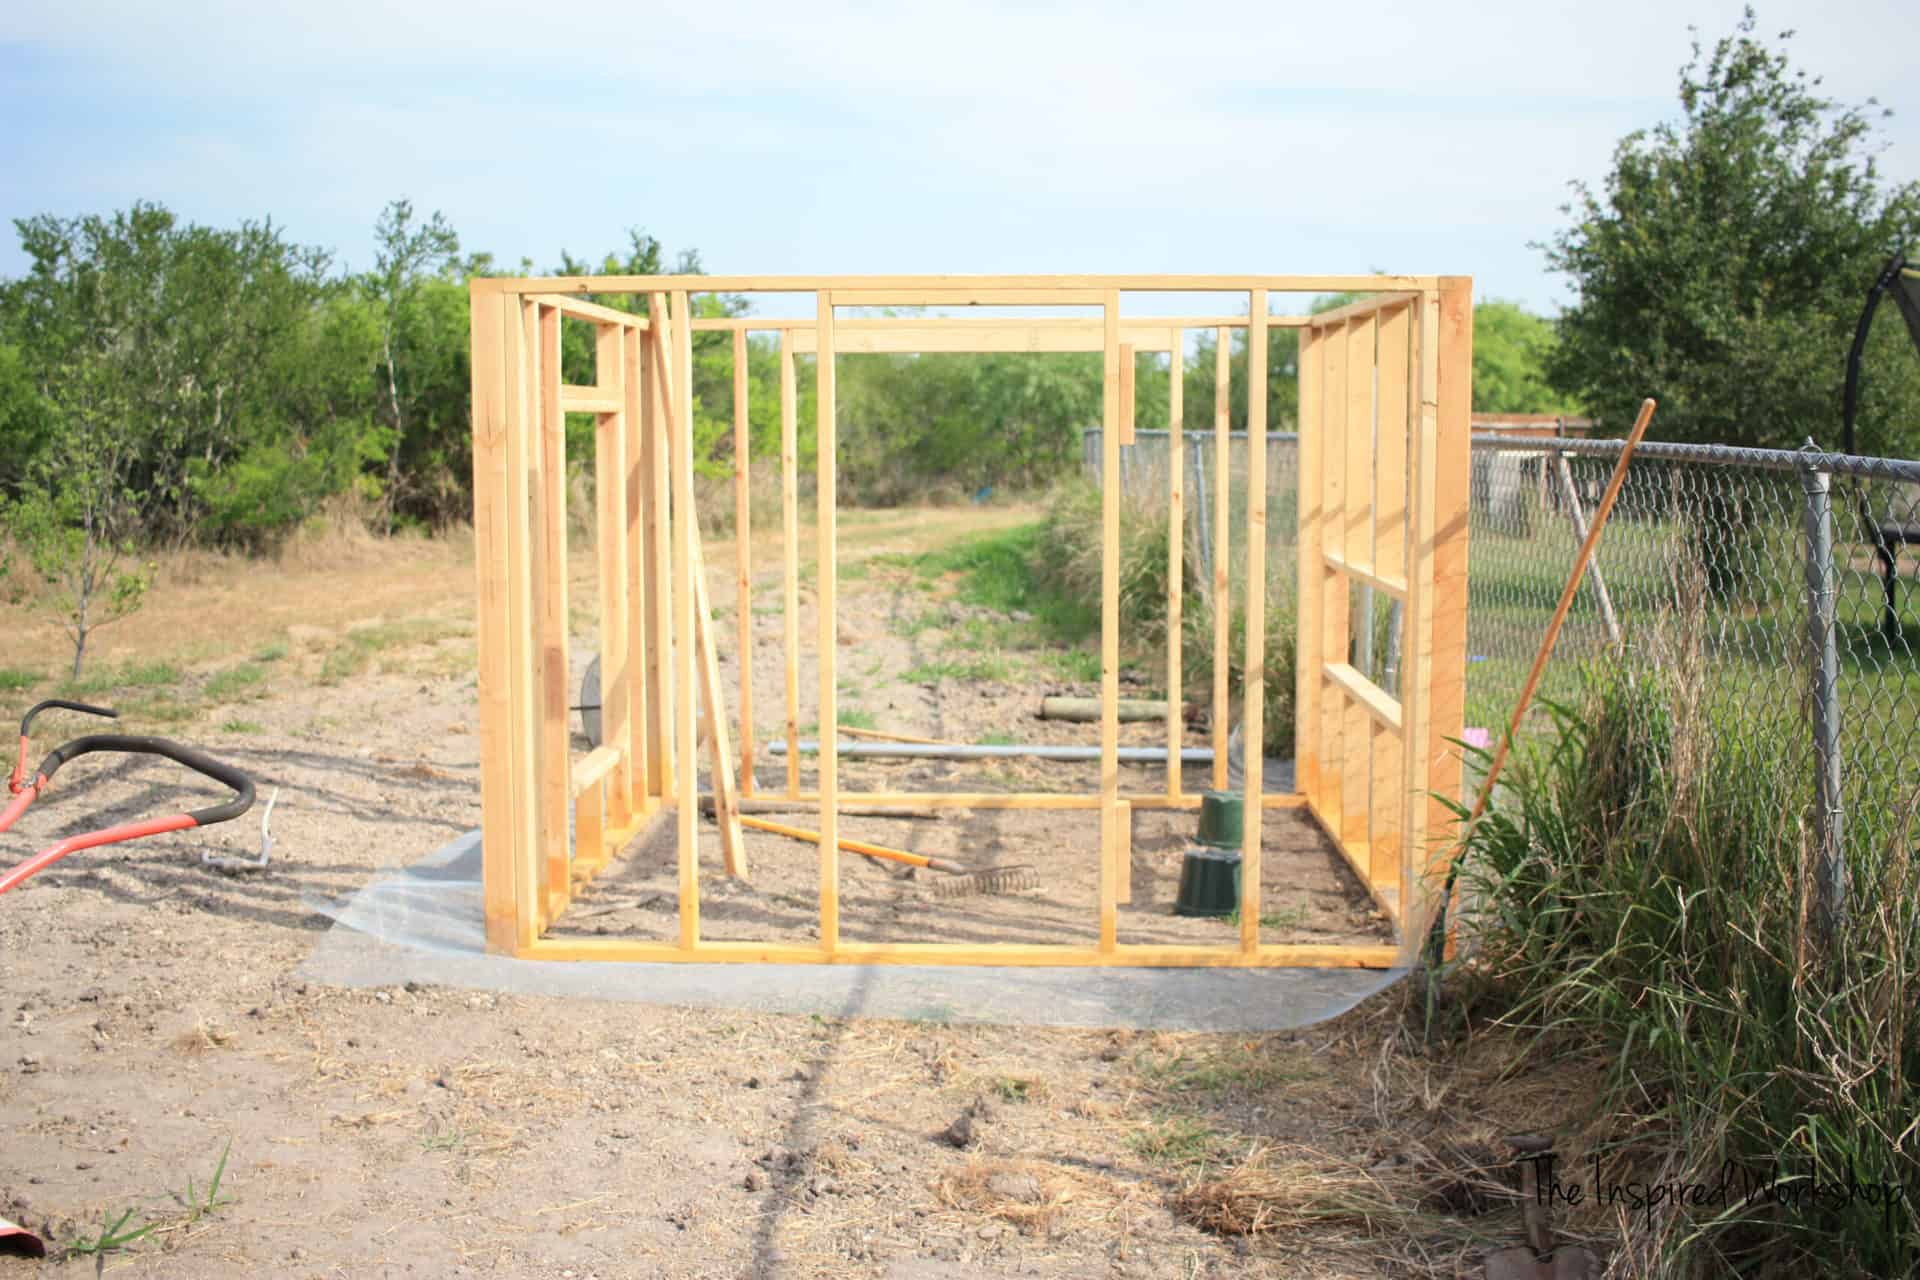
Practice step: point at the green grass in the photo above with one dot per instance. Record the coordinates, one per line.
(197, 1201)
(1238, 1067)
(999, 571)
(1017, 1088)
(355, 651)
(857, 718)
(1177, 1140)
(224, 685)
(1079, 665)
(143, 675)
(945, 669)
(271, 653)
(1646, 886)
(242, 726)
(112, 1237)
(13, 679)
(1285, 918)
(999, 739)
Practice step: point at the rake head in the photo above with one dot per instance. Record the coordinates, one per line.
(995, 880)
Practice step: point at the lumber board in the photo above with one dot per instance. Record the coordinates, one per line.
(1356, 765)
(555, 749)
(1176, 566)
(1452, 472)
(1375, 305)
(672, 378)
(1390, 565)
(1112, 398)
(493, 529)
(590, 769)
(1334, 609)
(919, 286)
(733, 849)
(642, 733)
(521, 333)
(1063, 800)
(827, 504)
(589, 311)
(1142, 955)
(589, 399)
(1222, 551)
(1364, 694)
(743, 556)
(1311, 566)
(790, 554)
(610, 564)
(1254, 679)
(1394, 585)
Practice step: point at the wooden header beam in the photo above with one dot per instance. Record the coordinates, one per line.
(957, 284)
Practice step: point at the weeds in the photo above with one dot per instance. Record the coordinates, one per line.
(1177, 1140)
(14, 678)
(1645, 890)
(225, 684)
(199, 1202)
(113, 1237)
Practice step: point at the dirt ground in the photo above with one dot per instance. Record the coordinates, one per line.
(153, 1031)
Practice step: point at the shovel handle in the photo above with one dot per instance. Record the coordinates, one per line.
(855, 846)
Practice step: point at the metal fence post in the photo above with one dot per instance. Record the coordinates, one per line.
(1823, 652)
(1203, 525)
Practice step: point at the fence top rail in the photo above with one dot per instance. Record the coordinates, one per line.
(1036, 283)
(1196, 433)
(1905, 470)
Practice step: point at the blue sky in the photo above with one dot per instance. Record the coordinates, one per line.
(828, 138)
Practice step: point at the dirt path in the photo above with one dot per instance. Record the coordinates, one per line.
(150, 1021)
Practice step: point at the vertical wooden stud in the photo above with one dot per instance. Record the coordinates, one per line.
(790, 551)
(826, 506)
(1416, 681)
(674, 325)
(663, 695)
(1112, 401)
(743, 555)
(1356, 770)
(1312, 565)
(1390, 561)
(1222, 548)
(610, 546)
(1176, 554)
(1334, 610)
(493, 531)
(1452, 471)
(726, 804)
(556, 747)
(524, 568)
(643, 776)
(1253, 715)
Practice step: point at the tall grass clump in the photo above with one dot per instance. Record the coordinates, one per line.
(1067, 560)
(1645, 889)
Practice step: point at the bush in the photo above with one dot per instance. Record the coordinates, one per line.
(1067, 560)
(1644, 890)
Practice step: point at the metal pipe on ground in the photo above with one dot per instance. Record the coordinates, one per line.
(969, 751)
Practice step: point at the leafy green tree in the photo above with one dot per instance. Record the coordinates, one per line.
(408, 257)
(1723, 267)
(74, 512)
(1511, 347)
(186, 322)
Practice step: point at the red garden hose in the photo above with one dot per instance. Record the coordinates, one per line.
(24, 792)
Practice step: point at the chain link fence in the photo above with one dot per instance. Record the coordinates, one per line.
(1780, 584)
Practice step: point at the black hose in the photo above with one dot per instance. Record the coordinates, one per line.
(225, 774)
(26, 721)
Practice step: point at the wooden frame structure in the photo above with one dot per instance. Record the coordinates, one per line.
(1384, 466)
